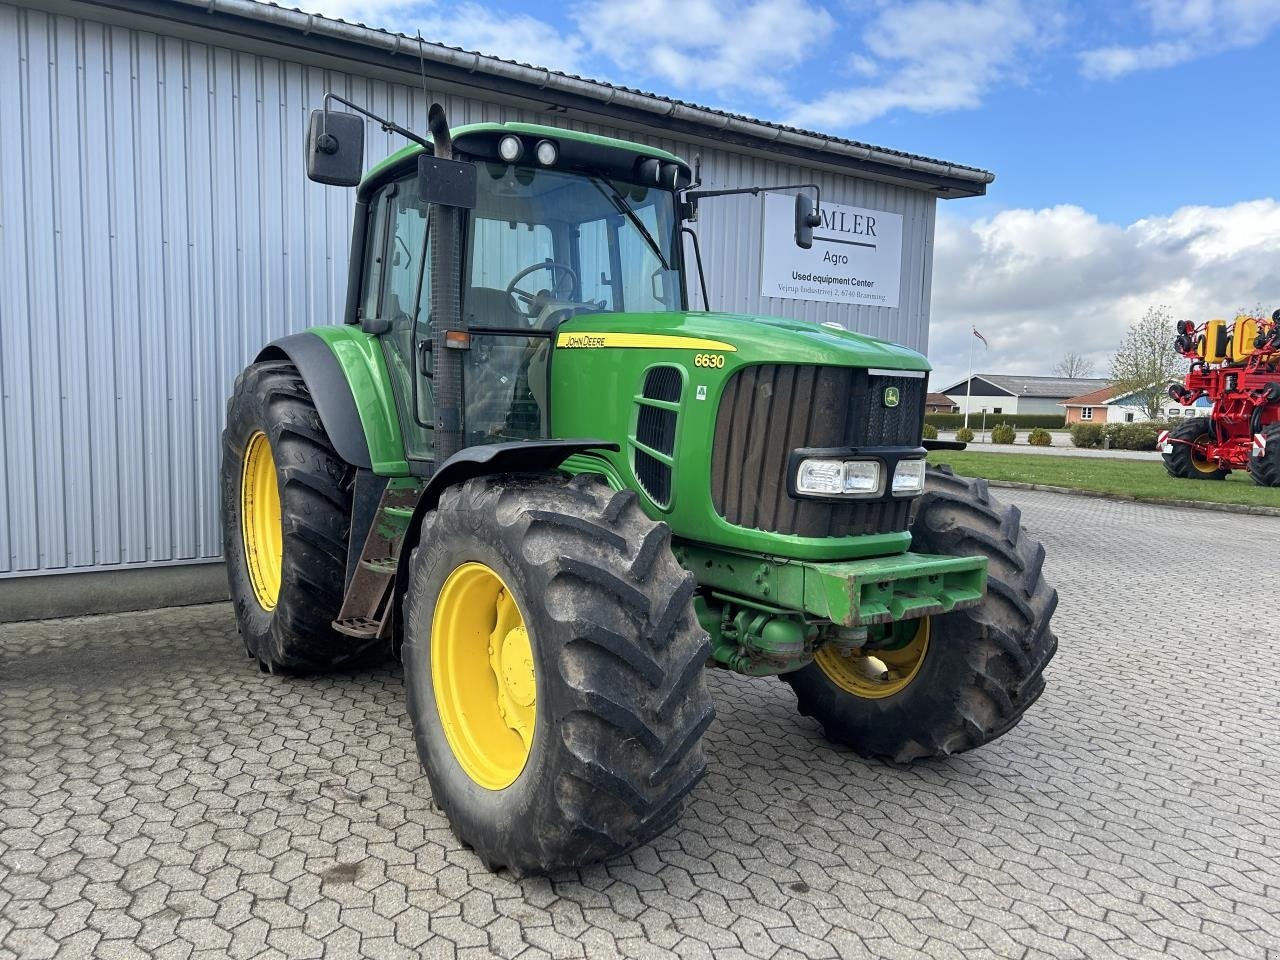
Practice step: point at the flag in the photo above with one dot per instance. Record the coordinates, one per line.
(981, 337)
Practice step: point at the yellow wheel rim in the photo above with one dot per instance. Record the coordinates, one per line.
(876, 674)
(1199, 462)
(483, 675)
(260, 521)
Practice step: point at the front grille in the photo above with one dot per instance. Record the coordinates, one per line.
(769, 410)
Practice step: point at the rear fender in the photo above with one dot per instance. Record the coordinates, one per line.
(347, 377)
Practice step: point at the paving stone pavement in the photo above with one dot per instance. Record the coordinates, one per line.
(159, 798)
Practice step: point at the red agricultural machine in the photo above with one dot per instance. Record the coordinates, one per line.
(1237, 367)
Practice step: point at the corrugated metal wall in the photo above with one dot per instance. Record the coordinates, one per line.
(156, 229)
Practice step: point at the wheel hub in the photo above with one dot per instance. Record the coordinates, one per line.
(261, 531)
(483, 674)
(880, 673)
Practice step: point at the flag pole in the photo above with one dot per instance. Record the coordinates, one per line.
(968, 400)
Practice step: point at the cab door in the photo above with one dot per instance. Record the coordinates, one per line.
(396, 250)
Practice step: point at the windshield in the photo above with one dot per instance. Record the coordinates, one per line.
(545, 245)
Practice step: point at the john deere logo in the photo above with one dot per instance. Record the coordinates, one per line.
(890, 396)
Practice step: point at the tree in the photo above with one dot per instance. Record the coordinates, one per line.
(1146, 361)
(1073, 365)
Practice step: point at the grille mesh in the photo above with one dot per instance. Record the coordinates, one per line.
(656, 429)
(769, 410)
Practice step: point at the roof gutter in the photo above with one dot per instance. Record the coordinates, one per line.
(607, 95)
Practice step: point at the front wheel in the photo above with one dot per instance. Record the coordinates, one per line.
(554, 670)
(955, 681)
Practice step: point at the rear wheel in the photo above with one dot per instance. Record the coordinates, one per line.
(1265, 469)
(951, 682)
(1186, 460)
(286, 507)
(554, 670)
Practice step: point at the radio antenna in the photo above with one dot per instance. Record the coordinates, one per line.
(422, 68)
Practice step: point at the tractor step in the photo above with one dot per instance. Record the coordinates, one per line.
(368, 605)
(359, 627)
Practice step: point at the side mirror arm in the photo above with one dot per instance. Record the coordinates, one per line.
(390, 126)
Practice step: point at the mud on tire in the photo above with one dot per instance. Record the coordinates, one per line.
(619, 657)
(315, 511)
(984, 665)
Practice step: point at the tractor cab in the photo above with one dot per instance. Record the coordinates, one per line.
(559, 225)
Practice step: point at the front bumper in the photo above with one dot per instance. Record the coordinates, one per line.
(848, 593)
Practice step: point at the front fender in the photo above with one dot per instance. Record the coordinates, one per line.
(524, 456)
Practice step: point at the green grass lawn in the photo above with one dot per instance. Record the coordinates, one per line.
(1142, 479)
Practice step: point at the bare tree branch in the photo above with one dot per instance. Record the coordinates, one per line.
(1073, 365)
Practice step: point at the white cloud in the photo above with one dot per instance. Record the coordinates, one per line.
(920, 55)
(487, 29)
(933, 56)
(1038, 283)
(1184, 30)
(728, 47)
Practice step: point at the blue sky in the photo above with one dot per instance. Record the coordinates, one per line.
(1136, 145)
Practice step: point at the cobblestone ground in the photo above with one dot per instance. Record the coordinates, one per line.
(158, 797)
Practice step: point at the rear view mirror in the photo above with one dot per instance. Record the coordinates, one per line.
(806, 220)
(335, 148)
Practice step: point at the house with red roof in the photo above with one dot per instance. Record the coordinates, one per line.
(1113, 405)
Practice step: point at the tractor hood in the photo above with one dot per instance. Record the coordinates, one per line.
(744, 337)
(709, 408)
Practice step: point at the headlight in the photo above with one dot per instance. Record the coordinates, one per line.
(546, 152)
(834, 478)
(862, 476)
(908, 478)
(820, 477)
(510, 148)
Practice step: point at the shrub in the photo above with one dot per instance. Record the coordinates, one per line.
(1003, 433)
(964, 435)
(1020, 421)
(1087, 434)
(1135, 436)
(1040, 437)
(930, 432)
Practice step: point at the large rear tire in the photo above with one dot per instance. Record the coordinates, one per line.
(554, 670)
(966, 677)
(1183, 461)
(286, 506)
(1265, 469)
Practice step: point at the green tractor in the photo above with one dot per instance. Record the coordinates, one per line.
(526, 467)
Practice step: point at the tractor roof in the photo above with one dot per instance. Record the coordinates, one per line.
(532, 130)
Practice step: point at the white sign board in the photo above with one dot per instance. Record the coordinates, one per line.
(856, 255)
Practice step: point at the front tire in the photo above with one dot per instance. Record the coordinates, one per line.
(1184, 462)
(974, 672)
(286, 513)
(591, 749)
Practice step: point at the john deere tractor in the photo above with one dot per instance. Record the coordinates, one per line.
(524, 465)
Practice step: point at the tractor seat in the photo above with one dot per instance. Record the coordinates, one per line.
(487, 307)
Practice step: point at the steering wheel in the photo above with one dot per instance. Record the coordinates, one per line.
(527, 298)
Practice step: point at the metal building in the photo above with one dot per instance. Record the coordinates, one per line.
(156, 229)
